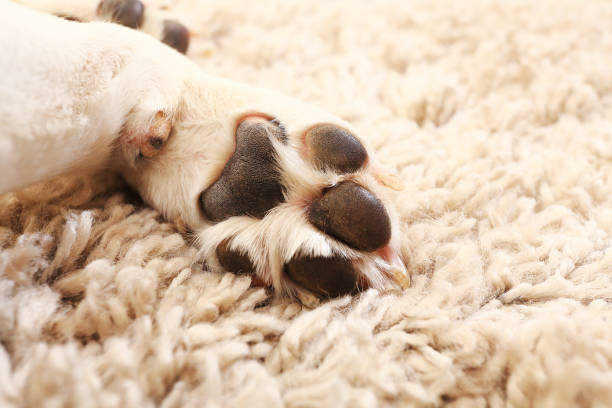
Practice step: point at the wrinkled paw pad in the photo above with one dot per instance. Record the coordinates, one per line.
(353, 215)
(129, 13)
(250, 183)
(331, 147)
(176, 36)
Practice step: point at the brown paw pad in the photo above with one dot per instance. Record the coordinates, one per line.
(334, 148)
(325, 277)
(250, 181)
(176, 36)
(353, 215)
(234, 261)
(125, 12)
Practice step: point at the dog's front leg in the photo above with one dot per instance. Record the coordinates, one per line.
(72, 94)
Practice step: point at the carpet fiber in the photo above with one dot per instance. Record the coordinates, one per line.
(497, 117)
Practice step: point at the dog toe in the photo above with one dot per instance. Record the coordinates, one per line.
(233, 260)
(324, 276)
(353, 215)
(129, 13)
(175, 35)
(331, 147)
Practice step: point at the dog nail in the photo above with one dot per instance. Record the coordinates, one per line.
(129, 13)
(332, 147)
(232, 260)
(325, 277)
(353, 215)
(176, 36)
(250, 181)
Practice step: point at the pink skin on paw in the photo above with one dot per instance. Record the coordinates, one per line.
(149, 143)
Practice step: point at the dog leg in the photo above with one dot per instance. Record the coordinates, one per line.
(71, 95)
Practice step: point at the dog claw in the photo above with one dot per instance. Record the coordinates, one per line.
(393, 267)
(390, 180)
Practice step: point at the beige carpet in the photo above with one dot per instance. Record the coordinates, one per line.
(497, 116)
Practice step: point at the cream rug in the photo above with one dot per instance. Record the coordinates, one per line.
(497, 116)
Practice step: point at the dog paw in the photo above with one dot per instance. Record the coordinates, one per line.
(129, 13)
(287, 194)
(324, 230)
(134, 14)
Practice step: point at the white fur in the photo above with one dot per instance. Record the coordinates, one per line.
(80, 96)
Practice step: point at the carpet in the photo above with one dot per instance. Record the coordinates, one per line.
(496, 116)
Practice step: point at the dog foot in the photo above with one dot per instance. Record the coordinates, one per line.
(296, 199)
(346, 229)
(129, 13)
(134, 14)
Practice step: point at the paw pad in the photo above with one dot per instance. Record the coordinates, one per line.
(250, 181)
(125, 12)
(334, 148)
(353, 215)
(234, 261)
(176, 36)
(325, 277)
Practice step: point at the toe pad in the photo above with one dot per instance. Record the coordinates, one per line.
(176, 36)
(325, 277)
(234, 261)
(125, 12)
(353, 215)
(334, 148)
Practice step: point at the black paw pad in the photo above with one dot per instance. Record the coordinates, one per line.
(176, 36)
(334, 148)
(234, 261)
(325, 277)
(250, 181)
(353, 215)
(125, 12)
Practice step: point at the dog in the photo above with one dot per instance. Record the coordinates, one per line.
(269, 185)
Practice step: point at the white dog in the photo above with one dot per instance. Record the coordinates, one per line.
(270, 185)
